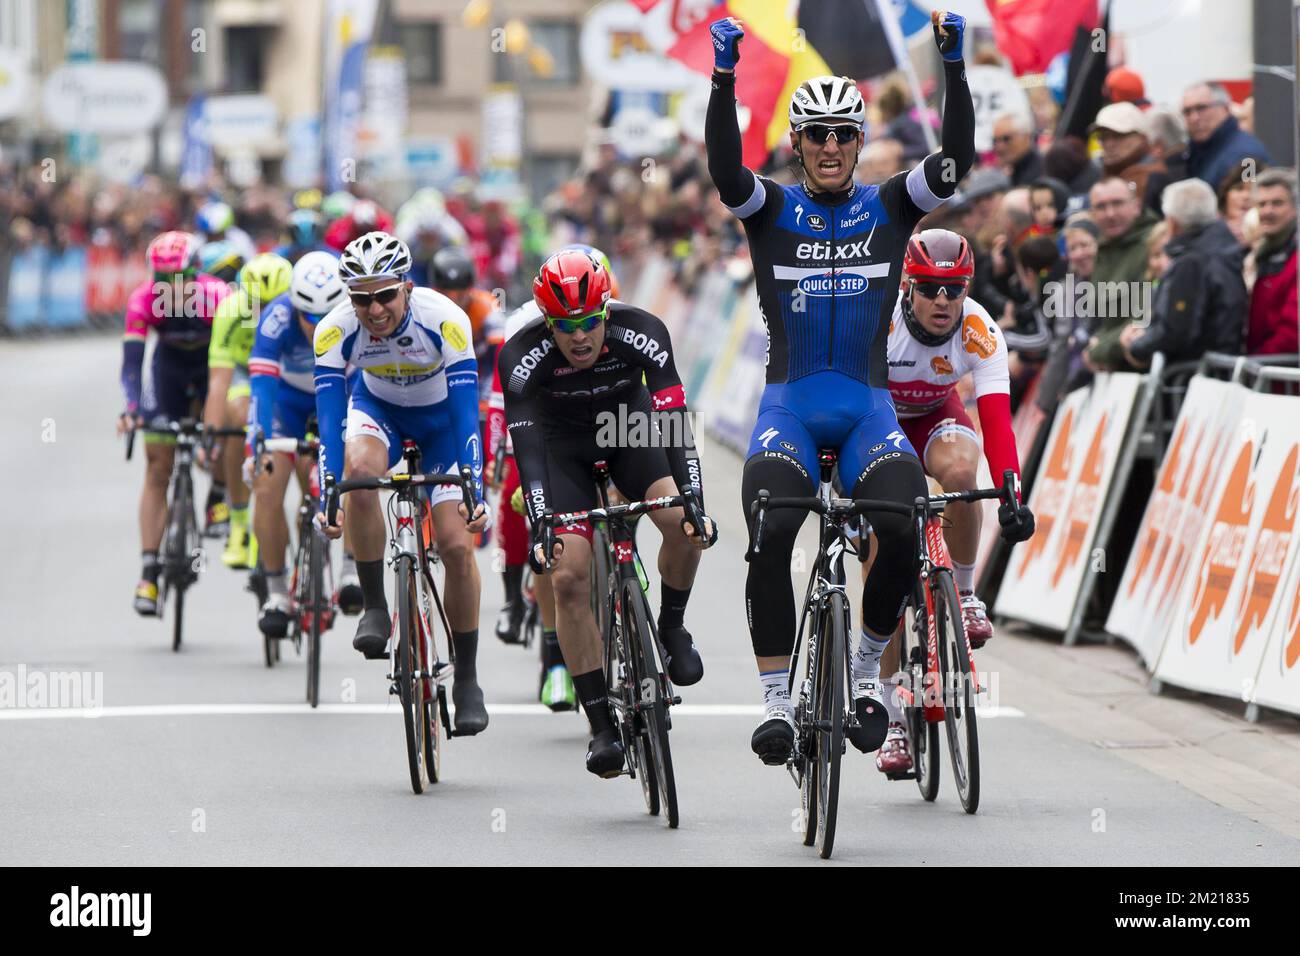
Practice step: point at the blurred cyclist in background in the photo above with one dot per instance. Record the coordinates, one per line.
(216, 221)
(304, 232)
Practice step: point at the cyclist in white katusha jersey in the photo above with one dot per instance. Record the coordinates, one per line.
(936, 337)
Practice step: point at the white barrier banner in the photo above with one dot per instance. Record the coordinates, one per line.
(736, 381)
(1230, 600)
(1278, 682)
(1045, 573)
(1176, 514)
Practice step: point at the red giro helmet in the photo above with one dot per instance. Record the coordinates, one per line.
(571, 283)
(938, 254)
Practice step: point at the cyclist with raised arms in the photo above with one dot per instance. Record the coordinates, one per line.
(827, 254)
(282, 379)
(418, 382)
(178, 303)
(580, 361)
(938, 336)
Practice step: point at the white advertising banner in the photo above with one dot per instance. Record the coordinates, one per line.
(1231, 598)
(1045, 573)
(1176, 514)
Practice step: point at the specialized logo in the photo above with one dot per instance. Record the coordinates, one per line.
(519, 375)
(825, 252)
(977, 339)
(940, 365)
(767, 436)
(642, 343)
(816, 223)
(798, 213)
(454, 335)
(897, 438)
(833, 283)
(327, 338)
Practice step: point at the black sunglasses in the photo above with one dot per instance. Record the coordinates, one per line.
(384, 296)
(931, 290)
(819, 133)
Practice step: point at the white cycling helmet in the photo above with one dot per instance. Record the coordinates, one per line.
(316, 286)
(376, 255)
(827, 99)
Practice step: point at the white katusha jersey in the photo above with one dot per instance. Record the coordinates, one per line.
(921, 376)
(408, 367)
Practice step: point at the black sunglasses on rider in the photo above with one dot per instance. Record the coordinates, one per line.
(383, 296)
(931, 290)
(819, 133)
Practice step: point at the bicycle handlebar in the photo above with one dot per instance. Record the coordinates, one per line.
(184, 428)
(552, 520)
(841, 508)
(335, 489)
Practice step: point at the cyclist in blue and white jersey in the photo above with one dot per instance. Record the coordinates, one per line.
(418, 381)
(827, 256)
(281, 370)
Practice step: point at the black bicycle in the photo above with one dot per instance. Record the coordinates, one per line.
(312, 586)
(417, 672)
(639, 691)
(823, 707)
(182, 553)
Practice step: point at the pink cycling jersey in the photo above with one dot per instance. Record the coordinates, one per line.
(180, 315)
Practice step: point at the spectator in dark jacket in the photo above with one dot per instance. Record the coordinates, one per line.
(1200, 302)
(1013, 144)
(1218, 143)
(1273, 323)
(1067, 160)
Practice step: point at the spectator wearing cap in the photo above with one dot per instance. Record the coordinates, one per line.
(1126, 151)
(1217, 144)
(1272, 329)
(1200, 301)
(1124, 224)
(1125, 86)
(1013, 144)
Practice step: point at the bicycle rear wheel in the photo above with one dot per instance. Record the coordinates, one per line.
(828, 720)
(406, 675)
(922, 735)
(653, 706)
(958, 691)
(176, 550)
(317, 605)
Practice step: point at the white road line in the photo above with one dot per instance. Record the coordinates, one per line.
(354, 710)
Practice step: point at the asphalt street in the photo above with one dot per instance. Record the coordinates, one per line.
(208, 757)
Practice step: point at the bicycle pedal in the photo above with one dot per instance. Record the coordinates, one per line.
(901, 775)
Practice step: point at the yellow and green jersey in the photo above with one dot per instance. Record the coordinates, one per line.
(234, 327)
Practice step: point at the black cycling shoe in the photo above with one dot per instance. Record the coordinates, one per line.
(471, 714)
(372, 634)
(605, 754)
(873, 719)
(273, 621)
(509, 621)
(684, 664)
(773, 741)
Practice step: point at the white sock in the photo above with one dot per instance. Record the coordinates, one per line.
(776, 689)
(277, 583)
(890, 687)
(964, 575)
(866, 659)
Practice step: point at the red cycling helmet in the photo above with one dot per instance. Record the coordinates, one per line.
(571, 283)
(938, 254)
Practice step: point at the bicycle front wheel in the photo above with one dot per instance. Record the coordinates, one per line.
(317, 608)
(406, 675)
(922, 735)
(958, 690)
(829, 718)
(652, 703)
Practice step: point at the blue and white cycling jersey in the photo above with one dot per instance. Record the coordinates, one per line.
(419, 383)
(280, 363)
